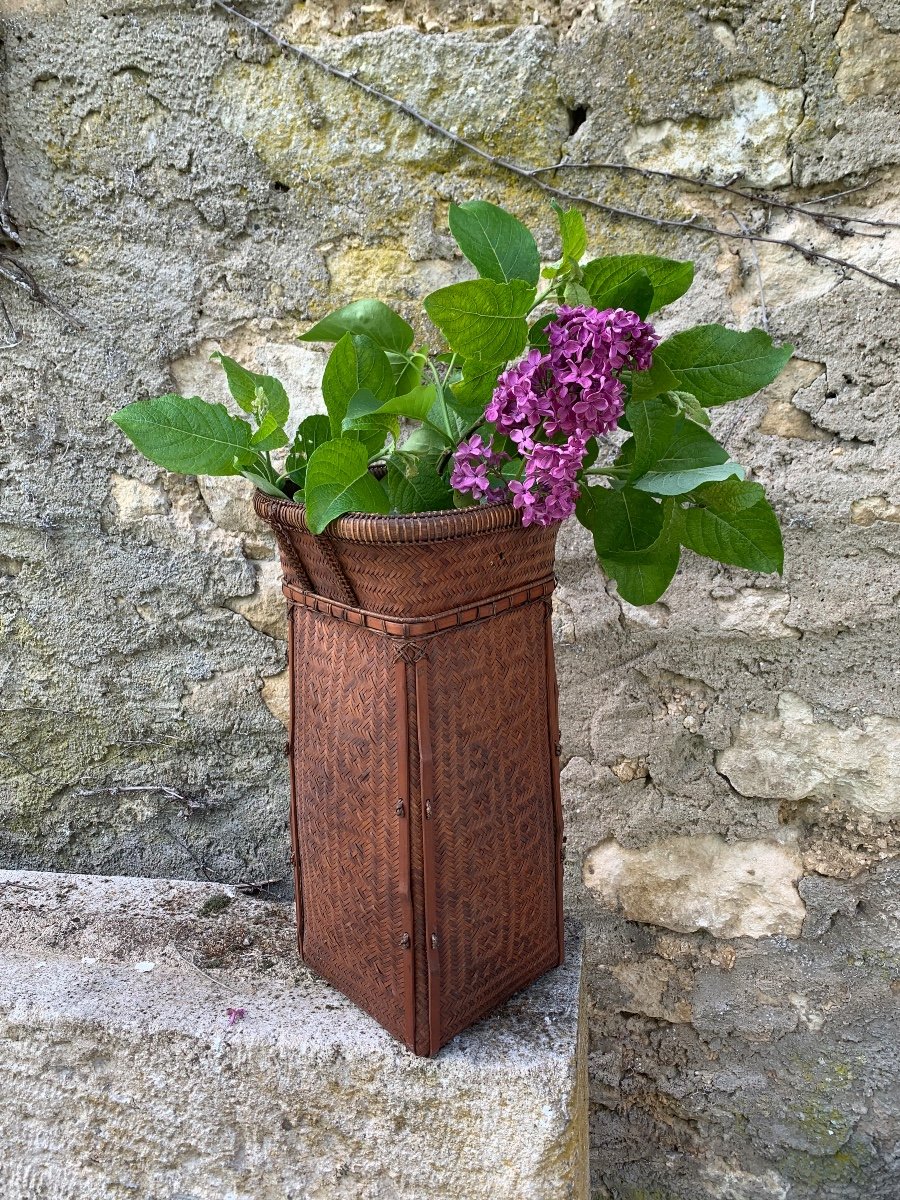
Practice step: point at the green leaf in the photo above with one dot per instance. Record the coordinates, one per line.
(677, 483)
(634, 540)
(620, 519)
(669, 278)
(338, 481)
(642, 576)
(743, 536)
(413, 485)
(269, 436)
(246, 386)
(477, 384)
(311, 433)
(572, 232)
(370, 317)
(537, 333)
(497, 245)
(732, 496)
(187, 435)
(575, 294)
(450, 423)
(356, 365)
(691, 407)
(426, 441)
(714, 364)
(635, 294)
(264, 483)
(671, 454)
(415, 405)
(483, 319)
(407, 371)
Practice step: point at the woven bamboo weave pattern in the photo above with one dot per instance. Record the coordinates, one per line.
(346, 772)
(424, 761)
(399, 576)
(494, 832)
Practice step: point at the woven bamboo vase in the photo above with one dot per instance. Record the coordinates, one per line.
(424, 749)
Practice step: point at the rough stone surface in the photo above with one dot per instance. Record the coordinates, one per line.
(124, 1076)
(747, 889)
(794, 757)
(180, 187)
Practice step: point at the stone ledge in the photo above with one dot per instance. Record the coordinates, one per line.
(123, 1077)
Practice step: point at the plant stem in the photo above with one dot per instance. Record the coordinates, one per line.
(542, 297)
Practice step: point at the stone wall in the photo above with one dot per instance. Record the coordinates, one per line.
(732, 776)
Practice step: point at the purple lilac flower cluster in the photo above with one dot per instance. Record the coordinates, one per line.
(471, 463)
(572, 389)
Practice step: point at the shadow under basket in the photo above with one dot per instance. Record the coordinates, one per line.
(424, 749)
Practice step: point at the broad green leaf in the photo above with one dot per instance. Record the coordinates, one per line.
(245, 386)
(370, 317)
(749, 537)
(407, 370)
(477, 384)
(575, 295)
(311, 433)
(425, 441)
(714, 364)
(537, 333)
(668, 277)
(497, 245)
(572, 232)
(671, 454)
(677, 483)
(355, 365)
(413, 485)
(483, 319)
(415, 405)
(633, 538)
(187, 435)
(732, 496)
(643, 575)
(620, 519)
(635, 294)
(338, 481)
(446, 419)
(269, 436)
(264, 483)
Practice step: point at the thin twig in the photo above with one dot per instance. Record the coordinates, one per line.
(20, 762)
(209, 978)
(693, 225)
(150, 787)
(860, 187)
(827, 219)
(763, 315)
(15, 334)
(8, 231)
(16, 273)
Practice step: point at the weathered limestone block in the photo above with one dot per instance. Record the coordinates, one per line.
(742, 889)
(874, 508)
(264, 608)
(794, 757)
(135, 499)
(870, 56)
(752, 140)
(161, 1039)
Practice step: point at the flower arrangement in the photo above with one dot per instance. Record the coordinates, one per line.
(527, 404)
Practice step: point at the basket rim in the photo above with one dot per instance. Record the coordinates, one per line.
(438, 526)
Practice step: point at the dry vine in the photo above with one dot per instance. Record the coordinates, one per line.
(533, 175)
